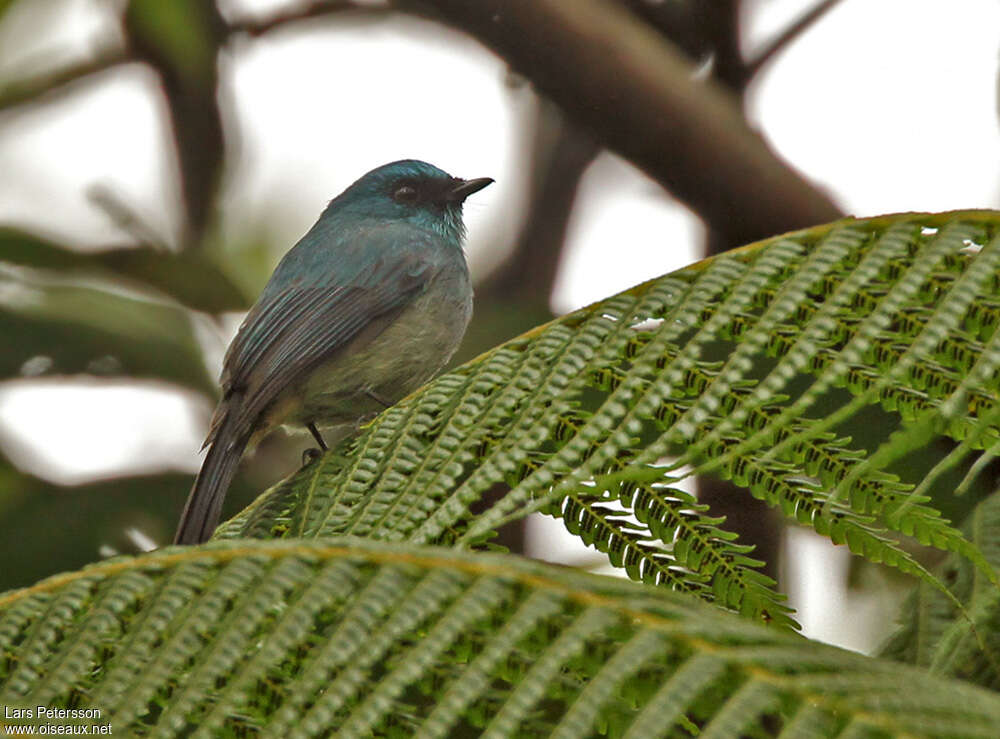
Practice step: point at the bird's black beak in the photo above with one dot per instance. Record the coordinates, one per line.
(464, 188)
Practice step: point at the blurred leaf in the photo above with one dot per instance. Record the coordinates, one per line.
(47, 528)
(251, 255)
(933, 633)
(188, 277)
(932, 464)
(84, 329)
(5, 6)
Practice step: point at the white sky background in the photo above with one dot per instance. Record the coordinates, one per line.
(889, 105)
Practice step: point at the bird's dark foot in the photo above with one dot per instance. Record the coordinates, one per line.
(310, 455)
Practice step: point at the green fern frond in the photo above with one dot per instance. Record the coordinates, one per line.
(934, 634)
(352, 638)
(764, 366)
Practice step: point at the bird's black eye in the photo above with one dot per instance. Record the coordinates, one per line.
(405, 194)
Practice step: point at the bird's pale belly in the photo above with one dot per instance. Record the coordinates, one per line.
(373, 371)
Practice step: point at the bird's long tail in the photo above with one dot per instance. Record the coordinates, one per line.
(204, 503)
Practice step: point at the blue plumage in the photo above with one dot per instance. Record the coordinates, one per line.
(369, 304)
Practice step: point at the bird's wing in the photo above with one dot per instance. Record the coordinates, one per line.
(293, 329)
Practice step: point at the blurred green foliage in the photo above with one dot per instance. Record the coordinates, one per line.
(188, 277)
(49, 528)
(122, 313)
(180, 31)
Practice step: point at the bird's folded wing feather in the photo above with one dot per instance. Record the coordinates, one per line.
(292, 330)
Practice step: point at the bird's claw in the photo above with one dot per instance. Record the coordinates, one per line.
(310, 455)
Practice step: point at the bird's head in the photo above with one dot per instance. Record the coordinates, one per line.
(413, 191)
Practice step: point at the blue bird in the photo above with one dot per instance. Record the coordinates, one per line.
(365, 308)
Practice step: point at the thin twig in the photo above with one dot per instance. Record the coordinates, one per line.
(788, 36)
(258, 27)
(29, 90)
(125, 216)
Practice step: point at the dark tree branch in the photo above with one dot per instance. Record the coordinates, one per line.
(189, 79)
(786, 37)
(683, 22)
(560, 157)
(721, 20)
(635, 94)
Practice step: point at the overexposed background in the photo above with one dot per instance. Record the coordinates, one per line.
(889, 105)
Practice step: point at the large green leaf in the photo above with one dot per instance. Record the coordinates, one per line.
(353, 638)
(92, 330)
(47, 528)
(187, 276)
(749, 366)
